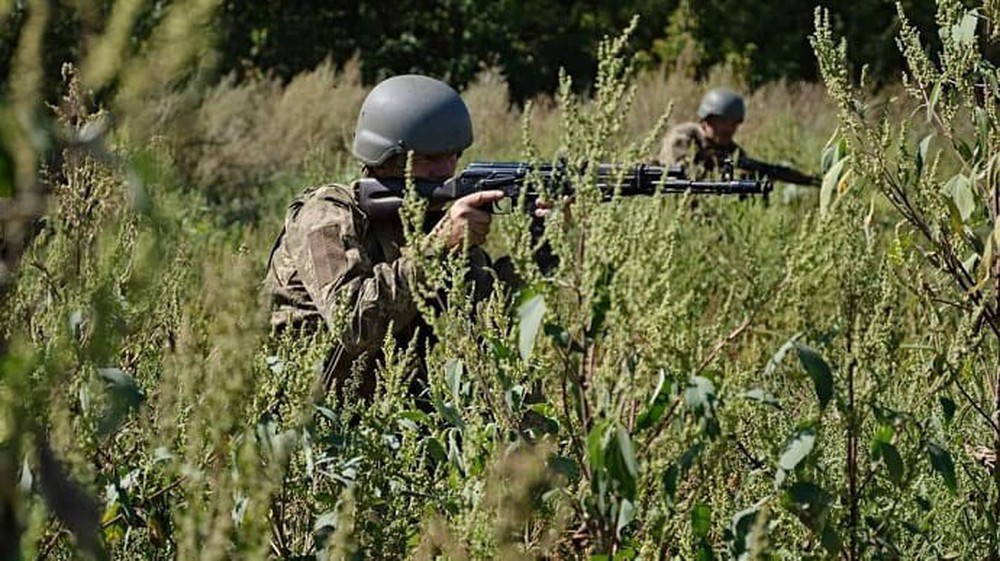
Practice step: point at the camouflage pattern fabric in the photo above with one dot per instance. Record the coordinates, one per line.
(686, 144)
(332, 265)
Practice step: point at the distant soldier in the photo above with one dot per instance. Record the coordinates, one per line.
(704, 146)
(331, 258)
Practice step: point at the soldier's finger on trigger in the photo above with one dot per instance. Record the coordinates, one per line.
(486, 197)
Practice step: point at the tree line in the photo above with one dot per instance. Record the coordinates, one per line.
(528, 40)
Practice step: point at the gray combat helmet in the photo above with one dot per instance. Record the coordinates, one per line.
(722, 102)
(411, 112)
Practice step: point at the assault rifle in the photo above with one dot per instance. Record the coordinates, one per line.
(776, 172)
(383, 197)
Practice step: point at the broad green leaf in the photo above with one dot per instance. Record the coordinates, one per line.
(744, 532)
(943, 464)
(436, 449)
(125, 398)
(893, 462)
(658, 404)
(885, 431)
(450, 414)
(700, 396)
(772, 364)
(922, 150)
(679, 469)
(627, 452)
(560, 337)
(819, 371)
(798, 448)
(701, 520)
(964, 32)
(763, 396)
(964, 150)
(982, 121)
(453, 368)
(830, 539)
(809, 502)
(947, 407)
(122, 385)
(595, 445)
(834, 151)
(932, 104)
(530, 313)
(962, 195)
(626, 513)
(830, 181)
(566, 466)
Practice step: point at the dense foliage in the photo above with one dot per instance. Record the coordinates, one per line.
(528, 41)
(714, 378)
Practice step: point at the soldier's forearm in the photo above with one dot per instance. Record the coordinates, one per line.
(374, 302)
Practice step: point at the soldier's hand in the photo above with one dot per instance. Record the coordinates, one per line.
(466, 217)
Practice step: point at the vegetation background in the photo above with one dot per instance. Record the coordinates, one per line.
(811, 378)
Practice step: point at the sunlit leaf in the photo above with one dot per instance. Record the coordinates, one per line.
(798, 448)
(932, 103)
(744, 532)
(626, 513)
(772, 364)
(453, 377)
(830, 181)
(658, 405)
(922, 150)
(964, 32)
(963, 197)
(530, 314)
(763, 396)
(595, 444)
(700, 395)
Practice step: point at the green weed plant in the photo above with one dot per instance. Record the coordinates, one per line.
(815, 377)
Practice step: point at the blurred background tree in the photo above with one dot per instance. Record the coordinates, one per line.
(760, 41)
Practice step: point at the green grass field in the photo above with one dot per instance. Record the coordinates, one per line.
(811, 377)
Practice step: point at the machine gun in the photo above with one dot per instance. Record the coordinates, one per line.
(383, 197)
(776, 172)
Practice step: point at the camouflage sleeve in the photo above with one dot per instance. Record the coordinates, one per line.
(350, 292)
(678, 146)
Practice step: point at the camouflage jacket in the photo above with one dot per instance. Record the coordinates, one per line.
(686, 144)
(333, 265)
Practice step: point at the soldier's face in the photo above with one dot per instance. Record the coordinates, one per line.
(719, 130)
(434, 167)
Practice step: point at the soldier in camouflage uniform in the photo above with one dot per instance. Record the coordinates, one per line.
(331, 260)
(702, 147)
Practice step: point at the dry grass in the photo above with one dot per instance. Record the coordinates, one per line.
(243, 135)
